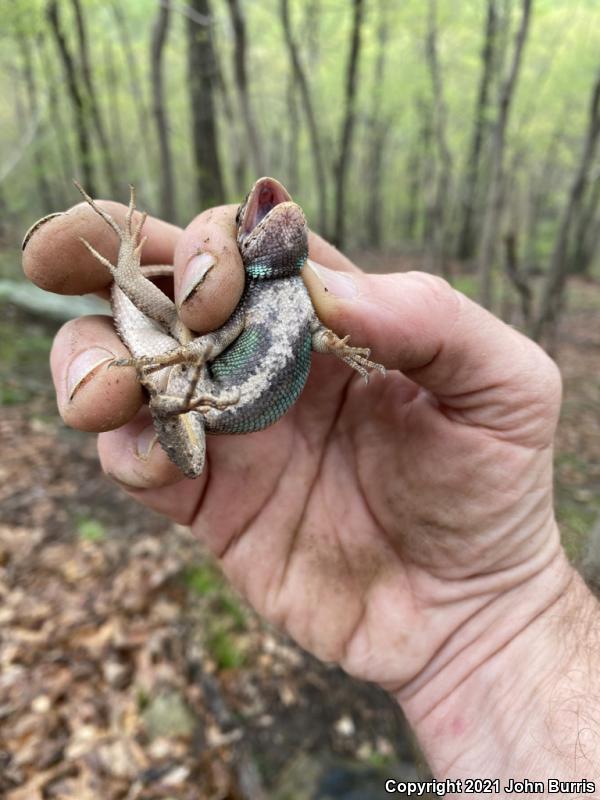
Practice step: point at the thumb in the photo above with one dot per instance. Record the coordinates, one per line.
(417, 323)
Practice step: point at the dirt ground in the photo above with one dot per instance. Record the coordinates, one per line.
(129, 670)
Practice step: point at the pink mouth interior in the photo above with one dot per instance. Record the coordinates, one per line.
(266, 196)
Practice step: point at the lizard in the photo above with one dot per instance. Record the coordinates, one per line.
(245, 375)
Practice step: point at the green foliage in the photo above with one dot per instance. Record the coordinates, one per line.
(467, 284)
(575, 520)
(551, 103)
(224, 615)
(91, 530)
(231, 608)
(224, 650)
(23, 360)
(203, 579)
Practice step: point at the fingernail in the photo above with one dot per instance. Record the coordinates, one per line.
(195, 272)
(145, 442)
(83, 366)
(339, 284)
(37, 225)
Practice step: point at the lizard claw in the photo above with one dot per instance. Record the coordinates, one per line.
(358, 358)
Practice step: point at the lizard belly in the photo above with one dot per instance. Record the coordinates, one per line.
(269, 362)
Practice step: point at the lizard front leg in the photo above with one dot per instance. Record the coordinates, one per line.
(326, 341)
(197, 353)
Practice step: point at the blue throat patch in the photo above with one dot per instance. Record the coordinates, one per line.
(262, 268)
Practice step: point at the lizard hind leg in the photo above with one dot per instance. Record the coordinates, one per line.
(131, 243)
(127, 272)
(166, 405)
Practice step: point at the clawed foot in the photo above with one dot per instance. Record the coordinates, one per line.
(167, 405)
(327, 341)
(146, 365)
(130, 238)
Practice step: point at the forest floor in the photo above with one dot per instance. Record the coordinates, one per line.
(128, 669)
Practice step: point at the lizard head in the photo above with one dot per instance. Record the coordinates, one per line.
(272, 233)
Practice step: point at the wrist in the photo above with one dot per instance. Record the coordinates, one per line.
(521, 699)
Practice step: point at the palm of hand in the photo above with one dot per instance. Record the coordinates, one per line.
(359, 512)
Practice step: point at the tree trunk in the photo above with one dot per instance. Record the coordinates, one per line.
(517, 278)
(81, 124)
(237, 143)
(43, 186)
(137, 93)
(584, 238)
(417, 170)
(113, 115)
(552, 296)
(201, 77)
(542, 191)
(313, 129)
(377, 128)
(293, 155)
(106, 146)
(466, 236)
(239, 32)
(341, 169)
(57, 120)
(493, 206)
(435, 254)
(311, 30)
(3, 218)
(167, 183)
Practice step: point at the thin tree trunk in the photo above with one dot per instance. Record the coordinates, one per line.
(293, 131)
(418, 174)
(167, 183)
(542, 190)
(115, 122)
(201, 76)
(466, 236)
(106, 147)
(585, 233)
(377, 128)
(552, 296)
(3, 217)
(237, 143)
(137, 90)
(239, 32)
(493, 206)
(44, 191)
(517, 278)
(81, 123)
(341, 169)
(313, 130)
(311, 30)
(59, 126)
(436, 261)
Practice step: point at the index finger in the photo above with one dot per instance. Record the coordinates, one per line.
(55, 259)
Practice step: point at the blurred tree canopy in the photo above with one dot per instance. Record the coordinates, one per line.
(426, 126)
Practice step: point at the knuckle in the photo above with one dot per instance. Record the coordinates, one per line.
(437, 286)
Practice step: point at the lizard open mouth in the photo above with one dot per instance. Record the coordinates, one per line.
(265, 195)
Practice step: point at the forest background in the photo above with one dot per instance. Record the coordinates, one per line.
(455, 136)
(455, 129)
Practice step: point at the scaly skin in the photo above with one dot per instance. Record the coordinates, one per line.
(244, 376)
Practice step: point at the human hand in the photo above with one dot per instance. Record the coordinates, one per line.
(392, 528)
